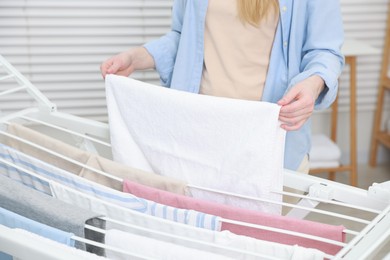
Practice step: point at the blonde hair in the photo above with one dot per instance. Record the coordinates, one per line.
(253, 11)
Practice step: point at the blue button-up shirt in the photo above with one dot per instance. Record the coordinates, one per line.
(307, 42)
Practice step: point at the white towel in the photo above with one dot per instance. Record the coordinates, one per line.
(219, 143)
(324, 164)
(152, 248)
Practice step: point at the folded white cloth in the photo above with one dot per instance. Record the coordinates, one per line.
(220, 143)
(323, 149)
(324, 164)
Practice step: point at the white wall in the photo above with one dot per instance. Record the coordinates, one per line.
(59, 46)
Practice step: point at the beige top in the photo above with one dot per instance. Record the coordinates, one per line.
(236, 54)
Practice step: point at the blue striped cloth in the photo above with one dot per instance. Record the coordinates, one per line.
(48, 171)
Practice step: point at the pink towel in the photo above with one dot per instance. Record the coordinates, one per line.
(249, 216)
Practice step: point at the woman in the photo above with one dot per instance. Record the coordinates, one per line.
(286, 52)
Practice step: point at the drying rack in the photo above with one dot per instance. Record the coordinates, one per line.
(362, 244)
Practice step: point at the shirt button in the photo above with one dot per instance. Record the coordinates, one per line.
(284, 9)
(285, 44)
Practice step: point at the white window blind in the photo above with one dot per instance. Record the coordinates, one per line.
(59, 46)
(364, 20)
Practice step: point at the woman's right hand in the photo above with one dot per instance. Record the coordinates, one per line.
(127, 62)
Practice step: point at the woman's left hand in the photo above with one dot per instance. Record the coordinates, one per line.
(298, 103)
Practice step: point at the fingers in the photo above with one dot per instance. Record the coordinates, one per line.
(113, 69)
(289, 97)
(105, 66)
(300, 104)
(294, 114)
(294, 122)
(114, 65)
(292, 107)
(293, 127)
(125, 72)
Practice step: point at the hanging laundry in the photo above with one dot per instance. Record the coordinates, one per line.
(46, 248)
(189, 217)
(249, 216)
(13, 220)
(235, 246)
(89, 159)
(42, 208)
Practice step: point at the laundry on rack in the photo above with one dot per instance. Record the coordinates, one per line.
(89, 159)
(47, 210)
(239, 247)
(249, 216)
(22, 177)
(169, 251)
(219, 143)
(39, 247)
(184, 211)
(35, 165)
(153, 248)
(189, 217)
(13, 220)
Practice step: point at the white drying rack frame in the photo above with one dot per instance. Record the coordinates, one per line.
(366, 243)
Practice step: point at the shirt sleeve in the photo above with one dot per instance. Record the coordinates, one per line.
(164, 49)
(321, 52)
